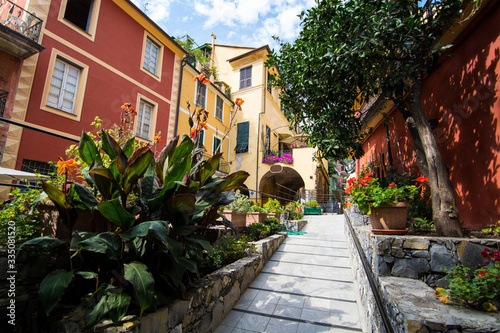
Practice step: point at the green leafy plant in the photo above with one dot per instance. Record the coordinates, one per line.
(422, 224)
(225, 252)
(256, 231)
(367, 192)
(258, 209)
(241, 204)
(273, 206)
(492, 229)
(274, 225)
(294, 215)
(22, 215)
(480, 290)
(311, 204)
(158, 214)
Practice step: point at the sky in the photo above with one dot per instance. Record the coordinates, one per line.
(234, 22)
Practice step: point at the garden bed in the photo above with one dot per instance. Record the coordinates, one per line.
(207, 303)
(406, 267)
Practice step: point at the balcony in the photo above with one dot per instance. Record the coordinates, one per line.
(19, 30)
(3, 100)
(281, 156)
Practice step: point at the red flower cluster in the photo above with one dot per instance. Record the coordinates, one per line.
(489, 255)
(422, 179)
(358, 182)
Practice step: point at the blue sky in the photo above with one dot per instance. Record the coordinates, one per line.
(234, 22)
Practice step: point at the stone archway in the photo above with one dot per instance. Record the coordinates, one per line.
(283, 185)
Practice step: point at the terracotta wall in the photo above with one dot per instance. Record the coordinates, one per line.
(463, 96)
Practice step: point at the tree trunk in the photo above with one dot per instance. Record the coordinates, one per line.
(444, 210)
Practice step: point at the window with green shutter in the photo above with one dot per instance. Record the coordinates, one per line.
(242, 134)
(219, 108)
(246, 77)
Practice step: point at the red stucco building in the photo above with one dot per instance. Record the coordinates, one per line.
(98, 55)
(462, 104)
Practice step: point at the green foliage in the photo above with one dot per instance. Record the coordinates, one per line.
(422, 224)
(293, 215)
(480, 290)
(227, 251)
(274, 225)
(258, 209)
(158, 231)
(256, 231)
(241, 204)
(367, 192)
(273, 206)
(311, 204)
(492, 229)
(22, 214)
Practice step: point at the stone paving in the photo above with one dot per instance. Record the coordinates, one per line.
(307, 286)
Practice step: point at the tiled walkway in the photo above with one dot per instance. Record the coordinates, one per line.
(306, 286)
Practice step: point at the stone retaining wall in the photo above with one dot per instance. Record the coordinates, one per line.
(207, 303)
(423, 259)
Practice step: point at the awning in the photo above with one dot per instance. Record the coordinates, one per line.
(12, 174)
(302, 137)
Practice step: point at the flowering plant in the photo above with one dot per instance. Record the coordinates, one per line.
(271, 159)
(367, 192)
(480, 290)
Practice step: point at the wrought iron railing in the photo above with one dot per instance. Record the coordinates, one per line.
(222, 167)
(3, 100)
(20, 20)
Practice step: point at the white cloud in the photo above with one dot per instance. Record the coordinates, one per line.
(231, 13)
(157, 10)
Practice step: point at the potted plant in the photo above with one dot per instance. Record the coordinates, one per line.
(257, 215)
(296, 206)
(312, 208)
(387, 207)
(274, 208)
(237, 211)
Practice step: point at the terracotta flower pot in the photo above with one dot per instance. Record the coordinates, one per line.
(390, 219)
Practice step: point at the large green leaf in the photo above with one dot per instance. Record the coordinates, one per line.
(128, 148)
(96, 309)
(165, 155)
(199, 239)
(103, 180)
(106, 243)
(184, 149)
(209, 168)
(142, 281)
(181, 203)
(147, 184)
(158, 228)
(175, 247)
(118, 303)
(233, 181)
(136, 169)
(113, 211)
(107, 146)
(52, 288)
(85, 195)
(57, 196)
(88, 150)
(44, 241)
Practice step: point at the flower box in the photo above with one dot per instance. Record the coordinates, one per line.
(312, 210)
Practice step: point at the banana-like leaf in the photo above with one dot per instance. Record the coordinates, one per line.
(57, 196)
(165, 155)
(128, 148)
(107, 146)
(175, 247)
(87, 275)
(209, 168)
(199, 239)
(86, 176)
(184, 149)
(103, 180)
(85, 195)
(147, 183)
(118, 303)
(142, 281)
(88, 150)
(106, 243)
(158, 228)
(96, 309)
(232, 182)
(53, 287)
(181, 203)
(136, 170)
(113, 211)
(79, 236)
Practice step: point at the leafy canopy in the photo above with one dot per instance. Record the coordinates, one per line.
(349, 51)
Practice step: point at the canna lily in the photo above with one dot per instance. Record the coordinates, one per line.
(422, 179)
(157, 138)
(481, 274)
(203, 124)
(193, 132)
(238, 102)
(65, 166)
(125, 106)
(391, 185)
(202, 78)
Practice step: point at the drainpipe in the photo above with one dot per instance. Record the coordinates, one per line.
(177, 109)
(258, 134)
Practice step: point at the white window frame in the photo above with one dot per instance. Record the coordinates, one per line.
(217, 98)
(244, 80)
(75, 113)
(213, 144)
(150, 42)
(204, 97)
(90, 32)
(140, 118)
(64, 90)
(149, 61)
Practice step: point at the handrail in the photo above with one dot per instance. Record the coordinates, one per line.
(371, 280)
(20, 20)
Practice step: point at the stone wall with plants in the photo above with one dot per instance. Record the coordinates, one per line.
(427, 259)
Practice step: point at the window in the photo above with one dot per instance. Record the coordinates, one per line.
(242, 137)
(246, 77)
(201, 139)
(219, 108)
(63, 86)
(217, 145)
(202, 96)
(269, 87)
(43, 168)
(144, 119)
(151, 54)
(267, 143)
(79, 12)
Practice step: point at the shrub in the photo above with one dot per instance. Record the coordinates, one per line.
(241, 204)
(229, 250)
(273, 206)
(492, 229)
(258, 209)
(274, 225)
(422, 224)
(256, 231)
(312, 204)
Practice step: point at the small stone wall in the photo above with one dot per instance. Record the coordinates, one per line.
(296, 225)
(424, 259)
(207, 303)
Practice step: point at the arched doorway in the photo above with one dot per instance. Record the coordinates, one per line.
(284, 185)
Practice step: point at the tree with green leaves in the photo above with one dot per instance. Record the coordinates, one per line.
(350, 51)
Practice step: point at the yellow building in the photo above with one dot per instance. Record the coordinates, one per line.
(261, 141)
(213, 98)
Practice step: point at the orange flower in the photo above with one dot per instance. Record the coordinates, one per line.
(422, 179)
(193, 132)
(239, 101)
(203, 124)
(157, 138)
(391, 185)
(125, 106)
(347, 190)
(132, 111)
(202, 78)
(65, 166)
